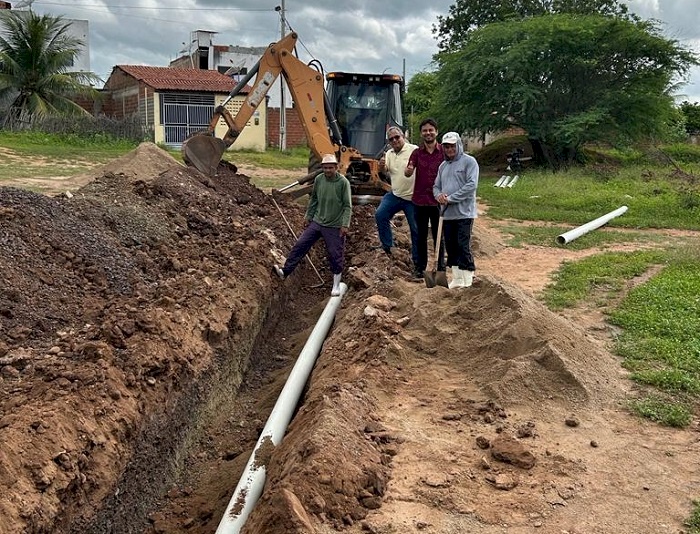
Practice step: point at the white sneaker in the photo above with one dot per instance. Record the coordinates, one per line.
(335, 292)
(279, 272)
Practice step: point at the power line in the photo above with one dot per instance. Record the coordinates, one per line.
(153, 8)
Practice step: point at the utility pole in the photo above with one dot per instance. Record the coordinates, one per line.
(283, 103)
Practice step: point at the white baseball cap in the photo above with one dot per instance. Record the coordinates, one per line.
(329, 158)
(451, 138)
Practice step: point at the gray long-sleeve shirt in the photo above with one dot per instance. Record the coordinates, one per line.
(458, 178)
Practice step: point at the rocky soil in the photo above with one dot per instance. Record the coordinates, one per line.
(143, 341)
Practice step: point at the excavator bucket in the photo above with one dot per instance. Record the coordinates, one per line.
(203, 152)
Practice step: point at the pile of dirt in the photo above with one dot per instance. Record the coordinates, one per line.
(508, 350)
(116, 305)
(146, 162)
(126, 309)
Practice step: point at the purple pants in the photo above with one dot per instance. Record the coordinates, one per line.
(335, 246)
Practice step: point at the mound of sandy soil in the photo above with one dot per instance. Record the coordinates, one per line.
(146, 162)
(131, 312)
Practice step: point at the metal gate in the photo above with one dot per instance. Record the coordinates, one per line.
(183, 114)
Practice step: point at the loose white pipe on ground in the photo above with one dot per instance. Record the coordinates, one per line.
(252, 482)
(569, 236)
(500, 181)
(504, 183)
(512, 182)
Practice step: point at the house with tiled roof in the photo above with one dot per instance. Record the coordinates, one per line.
(176, 102)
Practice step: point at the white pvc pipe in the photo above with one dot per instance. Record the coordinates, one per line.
(512, 182)
(504, 183)
(569, 236)
(500, 181)
(252, 481)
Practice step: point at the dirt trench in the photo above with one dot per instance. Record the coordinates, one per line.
(143, 341)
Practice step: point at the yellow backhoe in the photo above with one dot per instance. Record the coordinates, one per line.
(355, 107)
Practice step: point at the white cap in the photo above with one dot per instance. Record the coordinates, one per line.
(329, 158)
(451, 138)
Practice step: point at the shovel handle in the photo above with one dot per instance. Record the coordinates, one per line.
(438, 240)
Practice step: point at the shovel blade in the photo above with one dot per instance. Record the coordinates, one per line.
(435, 278)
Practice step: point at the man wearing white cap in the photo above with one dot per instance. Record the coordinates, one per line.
(455, 190)
(328, 216)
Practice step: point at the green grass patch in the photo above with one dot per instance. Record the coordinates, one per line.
(546, 236)
(663, 411)
(291, 159)
(661, 321)
(693, 522)
(603, 274)
(657, 197)
(36, 154)
(63, 145)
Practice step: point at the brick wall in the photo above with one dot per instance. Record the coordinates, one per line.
(295, 131)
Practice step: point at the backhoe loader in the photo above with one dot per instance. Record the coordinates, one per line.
(357, 109)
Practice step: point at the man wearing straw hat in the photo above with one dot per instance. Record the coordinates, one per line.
(328, 216)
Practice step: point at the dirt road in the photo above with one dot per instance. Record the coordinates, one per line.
(143, 342)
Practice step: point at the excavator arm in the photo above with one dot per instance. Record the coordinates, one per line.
(204, 150)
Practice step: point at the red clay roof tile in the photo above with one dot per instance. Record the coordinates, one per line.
(166, 78)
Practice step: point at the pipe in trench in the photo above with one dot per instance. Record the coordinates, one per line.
(252, 481)
(569, 236)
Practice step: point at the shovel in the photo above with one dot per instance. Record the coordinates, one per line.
(289, 226)
(436, 278)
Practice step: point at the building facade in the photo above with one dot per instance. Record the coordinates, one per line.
(175, 103)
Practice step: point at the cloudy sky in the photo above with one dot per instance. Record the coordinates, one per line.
(354, 35)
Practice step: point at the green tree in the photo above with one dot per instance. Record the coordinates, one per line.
(691, 113)
(418, 100)
(454, 30)
(565, 80)
(35, 54)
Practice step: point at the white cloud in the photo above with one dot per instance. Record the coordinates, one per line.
(355, 35)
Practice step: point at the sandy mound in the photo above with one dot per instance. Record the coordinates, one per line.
(146, 162)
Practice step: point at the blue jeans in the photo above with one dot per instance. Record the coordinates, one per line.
(390, 206)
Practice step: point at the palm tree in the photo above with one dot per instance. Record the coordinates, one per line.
(35, 53)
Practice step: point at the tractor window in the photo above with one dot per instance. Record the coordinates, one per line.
(363, 115)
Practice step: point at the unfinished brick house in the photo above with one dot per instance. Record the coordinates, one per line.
(173, 103)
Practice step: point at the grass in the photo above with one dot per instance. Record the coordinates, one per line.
(657, 197)
(34, 154)
(664, 411)
(601, 274)
(660, 343)
(693, 523)
(660, 322)
(292, 159)
(546, 236)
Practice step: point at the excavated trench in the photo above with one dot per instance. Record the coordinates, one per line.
(131, 313)
(187, 460)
